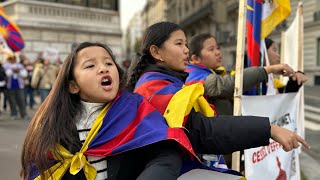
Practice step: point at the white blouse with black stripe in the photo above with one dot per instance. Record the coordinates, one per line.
(84, 125)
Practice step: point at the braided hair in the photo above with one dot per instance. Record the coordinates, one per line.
(156, 35)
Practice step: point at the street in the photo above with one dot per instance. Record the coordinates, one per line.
(12, 133)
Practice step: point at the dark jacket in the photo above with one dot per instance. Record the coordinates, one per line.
(3, 77)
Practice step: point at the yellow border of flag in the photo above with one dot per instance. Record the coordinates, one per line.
(276, 17)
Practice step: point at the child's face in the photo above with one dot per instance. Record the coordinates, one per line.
(273, 55)
(210, 54)
(96, 77)
(174, 51)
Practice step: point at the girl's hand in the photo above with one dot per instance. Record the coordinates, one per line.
(280, 69)
(300, 78)
(287, 138)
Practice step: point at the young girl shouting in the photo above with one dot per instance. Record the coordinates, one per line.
(88, 128)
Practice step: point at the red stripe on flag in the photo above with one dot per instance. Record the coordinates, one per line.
(180, 136)
(147, 89)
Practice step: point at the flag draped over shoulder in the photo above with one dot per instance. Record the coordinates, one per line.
(158, 88)
(197, 73)
(10, 32)
(254, 13)
(175, 100)
(274, 12)
(164, 90)
(129, 123)
(137, 124)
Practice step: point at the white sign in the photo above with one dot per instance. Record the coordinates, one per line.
(51, 54)
(272, 162)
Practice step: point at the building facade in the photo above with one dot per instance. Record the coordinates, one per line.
(154, 12)
(133, 35)
(61, 23)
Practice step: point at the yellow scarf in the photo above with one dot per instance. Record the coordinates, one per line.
(77, 161)
(183, 101)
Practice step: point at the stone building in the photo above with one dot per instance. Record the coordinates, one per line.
(133, 35)
(59, 24)
(154, 12)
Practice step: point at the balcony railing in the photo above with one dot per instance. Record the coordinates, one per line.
(37, 13)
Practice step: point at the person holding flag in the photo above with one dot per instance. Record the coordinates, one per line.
(262, 18)
(295, 81)
(206, 62)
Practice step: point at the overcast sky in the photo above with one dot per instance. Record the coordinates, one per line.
(128, 8)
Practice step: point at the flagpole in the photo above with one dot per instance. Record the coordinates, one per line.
(300, 34)
(239, 73)
(283, 39)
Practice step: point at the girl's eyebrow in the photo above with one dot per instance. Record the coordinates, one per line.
(107, 57)
(180, 40)
(87, 60)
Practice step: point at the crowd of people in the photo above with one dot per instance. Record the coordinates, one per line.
(21, 80)
(151, 122)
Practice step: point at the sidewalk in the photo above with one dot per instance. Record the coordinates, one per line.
(309, 166)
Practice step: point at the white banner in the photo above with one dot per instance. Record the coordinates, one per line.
(51, 54)
(272, 162)
(291, 49)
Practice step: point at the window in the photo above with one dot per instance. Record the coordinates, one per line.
(317, 80)
(102, 4)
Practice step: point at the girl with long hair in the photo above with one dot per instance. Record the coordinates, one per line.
(89, 128)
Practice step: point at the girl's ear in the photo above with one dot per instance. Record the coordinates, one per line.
(73, 87)
(195, 59)
(154, 51)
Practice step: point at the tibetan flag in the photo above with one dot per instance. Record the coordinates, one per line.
(254, 13)
(175, 100)
(137, 124)
(10, 32)
(130, 122)
(158, 88)
(197, 73)
(274, 12)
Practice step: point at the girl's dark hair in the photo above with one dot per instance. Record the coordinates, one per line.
(268, 42)
(55, 120)
(196, 43)
(156, 34)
